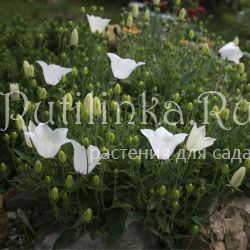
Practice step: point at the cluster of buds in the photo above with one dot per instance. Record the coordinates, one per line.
(28, 69)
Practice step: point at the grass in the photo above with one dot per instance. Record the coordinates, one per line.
(226, 23)
(38, 10)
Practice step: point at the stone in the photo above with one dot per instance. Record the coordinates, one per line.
(219, 245)
(230, 226)
(4, 223)
(136, 237)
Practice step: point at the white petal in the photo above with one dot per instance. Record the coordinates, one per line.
(53, 73)
(148, 132)
(197, 140)
(206, 142)
(80, 158)
(172, 142)
(59, 136)
(163, 142)
(231, 52)
(160, 148)
(97, 23)
(43, 64)
(43, 132)
(192, 138)
(26, 137)
(94, 157)
(162, 132)
(140, 63)
(31, 127)
(122, 68)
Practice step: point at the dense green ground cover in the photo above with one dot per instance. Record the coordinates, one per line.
(170, 196)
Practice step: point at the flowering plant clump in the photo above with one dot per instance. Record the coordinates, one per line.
(105, 129)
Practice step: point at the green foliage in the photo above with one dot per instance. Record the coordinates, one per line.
(126, 190)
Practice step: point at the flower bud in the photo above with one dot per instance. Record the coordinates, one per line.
(29, 106)
(86, 141)
(75, 72)
(126, 98)
(176, 195)
(147, 15)
(177, 2)
(116, 172)
(20, 124)
(156, 2)
(14, 136)
(152, 192)
(141, 84)
(241, 68)
(225, 169)
(243, 77)
(94, 8)
(96, 180)
(135, 139)
(69, 181)
(135, 10)
(87, 215)
(247, 163)
(54, 194)
(137, 160)
(177, 97)
(83, 10)
(117, 89)
(33, 83)
(6, 137)
(114, 106)
(110, 137)
(65, 197)
(38, 167)
(74, 38)
(163, 190)
(236, 41)
(195, 230)
(244, 106)
(130, 140)
(202, 190)
(248, 87)
(205, 49)
(88, 102)
(182, 14)
(14, 87)
(175, 205)
(214, 111)
(47, 180)
(62, 157)
(130, 21)
(28, 69)
(69, 101)
(238, 177)
(85, 71)
(190, 106)
(190, 188)
(3, 168)
(191, 34)
(42, 93)
(225, 114)
(97, 106)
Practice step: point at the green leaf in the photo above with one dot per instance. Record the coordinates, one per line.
(122, 205)
(46, 218)
(187, 77)
(65, 238)
(246, 54)
(132, 217)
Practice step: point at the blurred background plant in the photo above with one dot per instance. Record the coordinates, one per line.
(181, 63)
